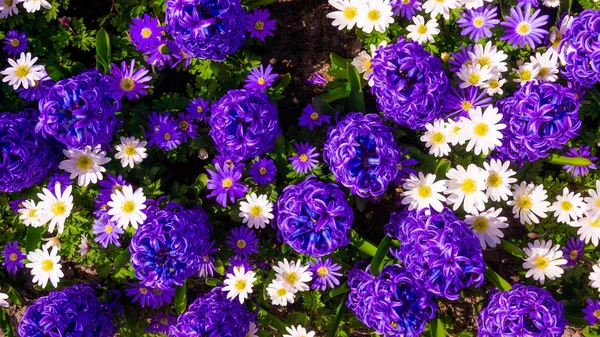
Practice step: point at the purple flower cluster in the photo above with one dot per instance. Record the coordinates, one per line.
(168, 247)
(580, 44)
(438, 249)
(314, 218)
(213, 315)
(244, 124)
(410, 83)
(80, 111)
(522, 312)
(393, 303)
(362, 154)
(73, 311)
(25, 157)
(168, 133)
(540, 117)
(207, 29)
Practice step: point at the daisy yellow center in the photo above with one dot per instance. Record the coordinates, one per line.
(22, 71)
(259, 25)
(543, 71)
(58, 208)
(525, 202)
(525, 75)
(405, 2)
(350, 12)
(146, 32)
(598, 202)
(481, 129)
(480, 225)
(143, 291)
(303, 158)
(256, 210)
(422, 29)
(466, 105)
(227, 183)
(541, 262)
(240, 285)
(184, 125)
(128, 207)
(47, 265)
(314, 116)
(494, 180)
(322, 272)
(32, 213)
(13, 257)
(374, 15)
(597, 313)
(261, 81)
(127, 84)
(595, 224)
(438, 137)
(523, 28)
(8, 2)
(441, 1)
(566, 206)
(485, 61)
(456, 129)
(164, 321)
(494, 84)
(15, 42)
(573, 255)
(84, 163)
(399, 166)
(281, 292)
(262, 171)
(108, 229)
(424, 192)
(292, 278)
(368, 64)
(557, 40)
(200, 109)
(130, 150)
(469, 186)
(167, 136)
(241, 244)
(478, 22)
(474, 78)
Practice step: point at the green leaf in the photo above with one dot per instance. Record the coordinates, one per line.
(497, 280)
(273, 321)
(436, 327)
(33, 239)
(335, 94)
(443, 166)
(5, 324)
(219, 266)
(281, 157)
(121, 260)
(323, 107)
(103, 52)
(13, 294)
(181, 298)
(360, 243)
(338, 61)
(257, 3)
(576, 320)
(340, 311)
(343, 288)
(213, 282)
(562, 160)
(103, 269)
(512, 249)
(223, 75)
(382, 250)
(285, 81)
(357, 100)
(56, 72)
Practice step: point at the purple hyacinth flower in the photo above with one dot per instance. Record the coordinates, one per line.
(263, 171)
(207, 267)
(187, 127)
(404, 165)
(160, 323)
(224, 181)
(64, 179)
(258, 24)
(459, 102)
(304, 161)
(260, 79)
(592, 311)
(524, 28)
(15, 43)
(460, 57)
(477, 23)
(198, 109)
(243, 241)
(145, 32)
(107, 232)
(326, 274)
(406, 8)
(128, 81)
(152, 297)
(582, 152)
(572, 252)
(311, 118)
(316, 79)
(13, 257)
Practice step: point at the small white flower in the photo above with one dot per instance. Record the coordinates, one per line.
(346, 15)
(131, 151)
(543, 260)
(453, 132)
(294, 275)
(494, 85)
(280, 294)
(44, 266)
(239, 284)
(595, 276)
(499, 180)
(35, 5)
(436, 138)
(443, 7)
(468, 186)
(23, 72)
(551, 3)
(363, 62)
(556, 37)
(257, 211)
(298, 331)
(85, 165)
(472, 4)
(486, 225)
(423, 192)
(126, 207)
(592, 203)
(482, 129)
(3, 302)
(589, 229)
(422, 32)
(56, 207)
(52, 242)
(529, 203)
(30, 214)
(84, 245)
(526, 72)
(8, 8)
(490, 56)
(252, 330)
(547, 65)
(568, 206)
(375, 14)
(474, 75)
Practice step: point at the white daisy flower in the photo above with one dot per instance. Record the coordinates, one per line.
(8, 8)
(499, 180)
(256, 211)
(543, 260)
(526, 72)
(30, 214)
(280, 293)
(346, 15)
(592, 203)
(422, 32)
(568, 206)
(298, 331)
(252, 330)
(3, 302)
(551, 3)
(589, 229)
(436, 138)
(468, 186)
(23, 72)
(453, 132)
(56, 207)
(482, 129)
(490, 56)
(85, 165)
(529, 203)
(472, 4)
(375, 14)
(547, 63)
(363, 64)
(131, 151)
(423, 192)
(35, 5)
(435, 7)
(556, 37)
(486, 225)
(595, 276)
(474, 75)
(239, 284)
(126, 207)
(52, 242)
(44, 266)
(294, 275)
(494, 85)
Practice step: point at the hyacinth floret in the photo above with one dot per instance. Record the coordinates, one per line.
(393, 303)
(522, 311)
(74, 311)
(207, 29)
(362, 154)
(438, 249)
(314, 217)
(580, 45)
(168, 247)
(25, 157)
(244, 124)
(540, 118)
(409, 84)
(80, 111)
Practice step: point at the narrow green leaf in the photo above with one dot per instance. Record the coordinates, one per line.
(335, 94)
(56, 72)
(382, 250)
(340, 311)
(281, 157)
(33, 238)
(257, 3)
(360, 243)
(443, 166)
(338, 61)
(562, 160)
(338, 73)
(357, 99)
(13, 294)
(342, 289)
(270, 320)
(436, 327)
(103, 51)
(5, 324)
(283, 83)
(512, 249)
(121, 260)
(223, 75)
(323, 107)
(213, 282)
(219, 266)
(181, 298)
(497, 280)
(576, 320)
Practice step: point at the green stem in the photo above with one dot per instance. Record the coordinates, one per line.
(575, 161)
(363, 245)
(257, 3)
(275, 322)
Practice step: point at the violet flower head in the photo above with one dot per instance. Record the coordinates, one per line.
(186, 126)
(580, 44)
(312, 118)
(38, 90)
(304, 161)
(409, 84)
(438, 249)
(15, 43)
(521, 312)
(572, 251)
(207, 268)
(164, 132)
(13, 257)
(592, 311)
(582, 152)
(316, 79)
(160, 323)
(64, 179)
(406, 8)
(404, 166)
(107, 232)
(478, 22)
(263, 171)
(460, 57)
(128, 81)
(524, 28)
(258, 24)
(260, 79)
(326, 274)
(362, 154)
(224, 182)
(160, 55)
(243, 241)
(238, 262)
(314, 217)
(459, 102)
(150, 297)
(532, 3)
(145, 32)
(198, 109)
